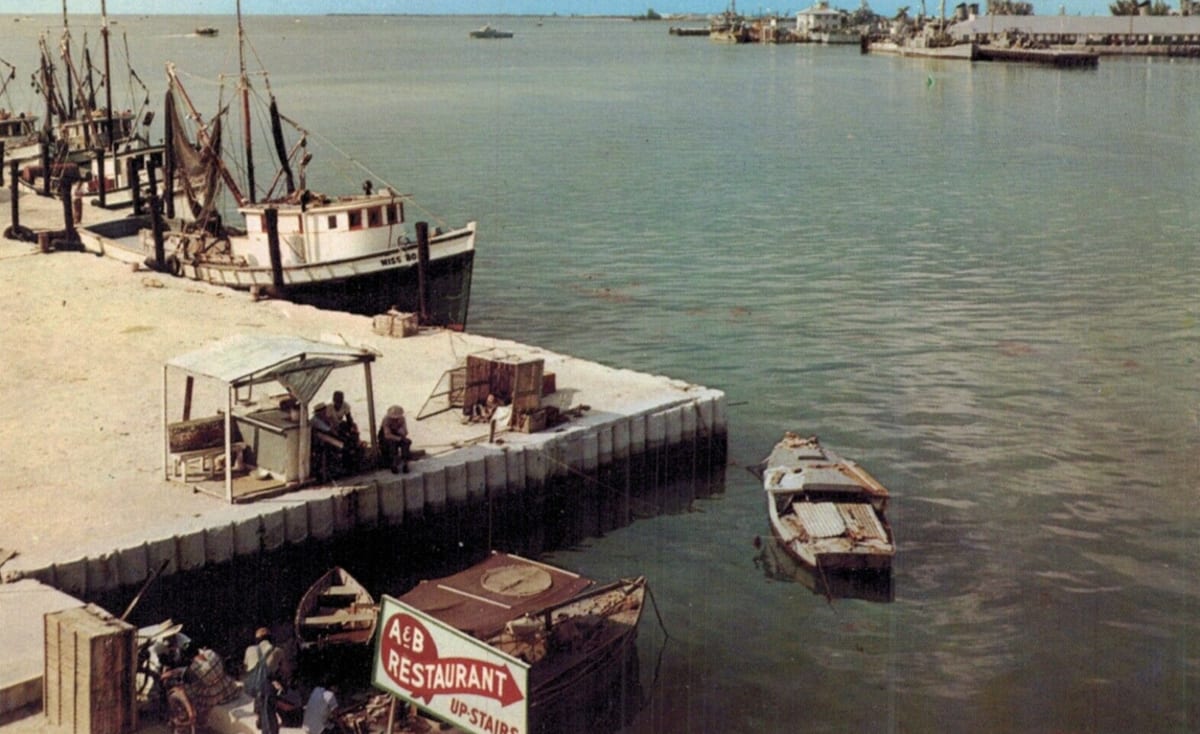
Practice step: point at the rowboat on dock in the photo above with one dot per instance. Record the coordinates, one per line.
(825, 511)
(336, 610)
(577, 636)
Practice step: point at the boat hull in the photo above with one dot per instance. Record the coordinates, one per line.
(826, 512)
(367, 285)
(336, 611)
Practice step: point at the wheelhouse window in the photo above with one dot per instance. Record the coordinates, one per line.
(374, 217)
(355, 219)
(331, 221)
(393, 214)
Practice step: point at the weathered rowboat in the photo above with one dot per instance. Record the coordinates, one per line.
(336, 610)
(825, 511)
(578, 637)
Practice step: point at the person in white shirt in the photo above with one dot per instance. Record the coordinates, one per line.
(318, 712)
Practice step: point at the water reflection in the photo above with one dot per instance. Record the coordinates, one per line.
(777, 565)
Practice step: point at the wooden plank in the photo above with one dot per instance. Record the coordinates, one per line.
(340, 618)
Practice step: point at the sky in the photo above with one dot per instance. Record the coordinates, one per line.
(507, 7)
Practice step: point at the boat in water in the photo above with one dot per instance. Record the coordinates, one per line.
(488, 31)
(207, 30)
(348, 252)
(336, 610)
(577, 636)
(826, 512)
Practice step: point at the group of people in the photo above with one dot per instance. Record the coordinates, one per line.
(337, 449)
(266, 680)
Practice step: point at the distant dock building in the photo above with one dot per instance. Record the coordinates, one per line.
(1148, 35)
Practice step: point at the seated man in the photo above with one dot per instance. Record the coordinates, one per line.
(327, 446)
(483, 412)
(346, 430)
(394, 442)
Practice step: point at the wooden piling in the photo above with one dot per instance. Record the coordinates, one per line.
(13, 205)
(423, 272)
(131, 174)
(103, 183)
(272, 222)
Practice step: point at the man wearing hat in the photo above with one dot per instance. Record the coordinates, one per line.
(394, 442)
(264, 653)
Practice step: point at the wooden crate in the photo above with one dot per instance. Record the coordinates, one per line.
(516, 381)
(395, 323)
(90, 663)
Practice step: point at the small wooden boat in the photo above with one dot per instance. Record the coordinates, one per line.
(336, 610)
(578, 637)
(206, 30)
(826, 512)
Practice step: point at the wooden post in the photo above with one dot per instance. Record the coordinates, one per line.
(370, 404)
(272, 222)
(423, 272)
(156, 228)
(64, 193)
(45, 156)
(1, 163)
(131, 174)
(103, 179)
(14, 206)
(151, 178)
(187, 397)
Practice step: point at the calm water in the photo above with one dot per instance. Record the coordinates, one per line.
(981, 281)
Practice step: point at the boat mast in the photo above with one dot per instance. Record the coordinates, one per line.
(245, 88)
(108, 84)
(66, 52)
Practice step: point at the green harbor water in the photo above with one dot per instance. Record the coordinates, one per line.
(981, 281)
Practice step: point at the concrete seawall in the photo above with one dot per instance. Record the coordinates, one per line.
(563, 487)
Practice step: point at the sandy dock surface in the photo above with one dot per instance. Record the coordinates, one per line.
(83, 341)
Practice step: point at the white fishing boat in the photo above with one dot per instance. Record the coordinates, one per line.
(88, 141)
(350, 252)
(825, 511)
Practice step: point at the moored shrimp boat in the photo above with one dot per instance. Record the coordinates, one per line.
(336, 610)
(577, 636)
(825, 511)
(349, 252)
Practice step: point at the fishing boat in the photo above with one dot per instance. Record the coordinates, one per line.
(488, 31)
(88, 141)
(825, 511)
(350, 252)
(206, 30)
(578, 636)
(336, 610)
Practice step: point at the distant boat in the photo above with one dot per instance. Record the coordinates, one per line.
(336, 610)
(489, 32)
(206, 31)
(826, 512)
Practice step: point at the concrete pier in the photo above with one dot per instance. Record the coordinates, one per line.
(87, 512)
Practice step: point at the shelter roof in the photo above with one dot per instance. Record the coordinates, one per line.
(245, 359)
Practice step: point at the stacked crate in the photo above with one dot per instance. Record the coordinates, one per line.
(91, 661)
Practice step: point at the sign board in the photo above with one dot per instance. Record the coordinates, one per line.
(448, 673)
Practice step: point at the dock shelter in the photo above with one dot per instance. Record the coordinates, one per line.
(278, 434)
